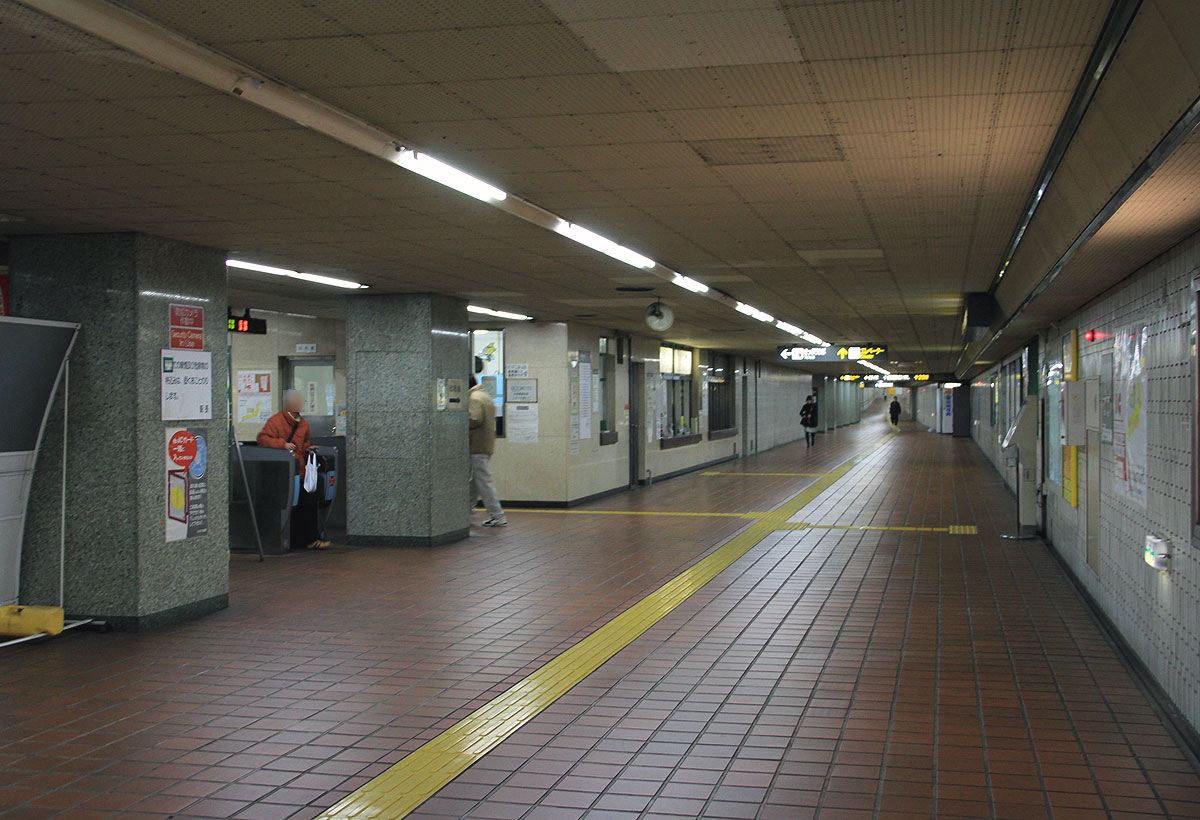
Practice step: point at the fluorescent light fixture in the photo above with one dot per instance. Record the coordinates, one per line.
(237, 263)
(951, 385)
(499, 314)
(787, 328)
(597, 242)
(293, 274)
(332, 281)
(688, 283)
(448, 175)
(751, 310)
(875, 367)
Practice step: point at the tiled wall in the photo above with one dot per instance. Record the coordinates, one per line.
(284, 332)
(548, 471)
(1157, 613)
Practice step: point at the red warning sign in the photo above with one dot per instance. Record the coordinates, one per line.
(187, 327)
(181, 449)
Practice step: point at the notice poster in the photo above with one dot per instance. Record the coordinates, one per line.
(186, 384)
(585, 399)
(1054, 450)
(1129, 412)
(187, 482)
(253, 408)
(254, 381)
(522, 424)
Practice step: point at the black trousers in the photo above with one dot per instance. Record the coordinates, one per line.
(305, 527)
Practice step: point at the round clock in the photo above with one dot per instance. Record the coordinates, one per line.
(659, 317)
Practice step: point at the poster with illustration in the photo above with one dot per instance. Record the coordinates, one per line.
(186, 469)
(1129, 412)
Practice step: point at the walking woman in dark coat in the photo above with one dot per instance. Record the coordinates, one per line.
(808, 419)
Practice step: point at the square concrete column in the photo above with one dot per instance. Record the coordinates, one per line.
(406, 440)
(119, 564)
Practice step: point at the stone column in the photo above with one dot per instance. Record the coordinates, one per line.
(407, 458)
(119, 564)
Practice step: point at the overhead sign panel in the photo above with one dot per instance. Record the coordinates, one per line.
(834, 353)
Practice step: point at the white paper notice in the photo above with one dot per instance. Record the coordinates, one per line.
(253, 408)
(516, 371)
(186, 384)
(521, 426)
(585, 400)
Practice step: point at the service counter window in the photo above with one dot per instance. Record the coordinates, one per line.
(488, 349)
(679, 423)
(721, 420)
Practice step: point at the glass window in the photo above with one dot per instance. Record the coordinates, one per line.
(677, 416)
(720, 394)
(607, 398)
(488, 349)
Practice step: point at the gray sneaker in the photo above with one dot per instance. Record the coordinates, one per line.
(498, 521)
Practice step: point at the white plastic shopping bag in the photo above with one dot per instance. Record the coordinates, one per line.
(310, 473)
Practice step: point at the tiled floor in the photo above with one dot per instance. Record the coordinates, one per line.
(826, 673)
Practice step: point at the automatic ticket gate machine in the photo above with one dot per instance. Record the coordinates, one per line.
(274, 477)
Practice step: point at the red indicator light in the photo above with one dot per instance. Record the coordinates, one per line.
(1089, 336)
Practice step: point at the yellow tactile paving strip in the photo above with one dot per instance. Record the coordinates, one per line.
(811, 475)
(416, 778)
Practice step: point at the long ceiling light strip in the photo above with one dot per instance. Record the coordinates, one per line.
(146, 38)
(315, 278)
(875, 367)
(499, 314)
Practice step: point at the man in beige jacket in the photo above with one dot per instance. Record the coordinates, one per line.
(483, 443)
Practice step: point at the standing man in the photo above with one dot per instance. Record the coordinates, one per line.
(808, 419)
(482, 411)
(894, 411)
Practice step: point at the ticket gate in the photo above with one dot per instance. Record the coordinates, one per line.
(275, 479)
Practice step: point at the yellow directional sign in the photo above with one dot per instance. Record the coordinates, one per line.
(843, 353)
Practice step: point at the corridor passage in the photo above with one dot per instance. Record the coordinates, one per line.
(837, 633)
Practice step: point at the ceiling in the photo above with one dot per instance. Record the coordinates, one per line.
(851, 166)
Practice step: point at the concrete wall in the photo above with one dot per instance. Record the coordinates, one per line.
(1157, 613)
(119, 565)
(926, 404)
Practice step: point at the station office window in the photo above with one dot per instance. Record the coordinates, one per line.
(675, 368)
(606, 398)
(720, 394)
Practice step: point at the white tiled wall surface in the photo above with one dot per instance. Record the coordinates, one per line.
(927, 406)
(1157, 613)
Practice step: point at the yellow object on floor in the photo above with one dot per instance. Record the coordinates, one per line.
(23, 621)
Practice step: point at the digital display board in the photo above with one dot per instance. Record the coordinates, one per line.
(245, 324)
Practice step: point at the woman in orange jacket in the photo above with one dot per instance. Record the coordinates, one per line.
(287, 430)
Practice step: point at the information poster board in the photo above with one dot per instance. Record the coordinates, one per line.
(186, 482)
(1070, 453)
(1129, 412)
(186, 384)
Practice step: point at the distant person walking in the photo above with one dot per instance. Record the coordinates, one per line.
(808, 419)
(287, 430)
(894, 412)
(482, 411)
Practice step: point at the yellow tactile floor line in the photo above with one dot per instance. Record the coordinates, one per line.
(422, 773)
(811, 475)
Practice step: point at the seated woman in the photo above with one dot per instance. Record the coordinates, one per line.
(287, 430)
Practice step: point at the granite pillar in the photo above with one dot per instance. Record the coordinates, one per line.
(406, 450)
(119, 565)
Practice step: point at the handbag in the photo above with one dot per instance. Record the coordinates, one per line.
(310, 473)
